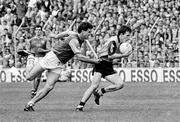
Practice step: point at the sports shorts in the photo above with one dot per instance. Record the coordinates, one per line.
(51, 63)
(105, 68)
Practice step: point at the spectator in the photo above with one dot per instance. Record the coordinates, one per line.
(20, 9)
(1, 60)
(139, 14)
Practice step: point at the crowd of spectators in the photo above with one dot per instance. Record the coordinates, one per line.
(152, 47)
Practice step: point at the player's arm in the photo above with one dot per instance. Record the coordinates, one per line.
(43, 50)
(74, 44)
(119, 55)
(62, 34)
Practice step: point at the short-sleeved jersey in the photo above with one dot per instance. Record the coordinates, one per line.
(105, 67)
(63, 50)
(109, 48)
(37, 42)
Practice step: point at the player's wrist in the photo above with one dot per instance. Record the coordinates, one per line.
(110, 57)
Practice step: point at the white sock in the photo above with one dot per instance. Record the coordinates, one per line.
(31, 103)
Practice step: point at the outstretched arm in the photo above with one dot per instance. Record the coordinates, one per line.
(118, 55)
(62, 34)
(74, 44)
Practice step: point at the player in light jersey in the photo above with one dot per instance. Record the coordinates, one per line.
(37, 48)
(104, 69)
(54, 61)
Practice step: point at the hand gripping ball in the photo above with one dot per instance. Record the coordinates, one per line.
(125, 47)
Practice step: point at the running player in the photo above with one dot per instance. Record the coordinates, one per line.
(104, 69)
(54, 61)
(37, 48)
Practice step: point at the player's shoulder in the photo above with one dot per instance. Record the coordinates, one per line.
(113, 38)
(73, 34)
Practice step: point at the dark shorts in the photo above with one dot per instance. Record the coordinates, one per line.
(105, 68)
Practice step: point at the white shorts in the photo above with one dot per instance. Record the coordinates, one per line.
(51, 63)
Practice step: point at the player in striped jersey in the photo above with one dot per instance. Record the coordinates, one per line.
(104, 69)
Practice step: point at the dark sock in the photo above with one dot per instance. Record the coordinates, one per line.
(103, 90)
(82, 103)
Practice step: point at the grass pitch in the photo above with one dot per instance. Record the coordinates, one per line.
(136, 102)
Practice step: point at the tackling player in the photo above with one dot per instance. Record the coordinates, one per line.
(54, 61)
(104, 69)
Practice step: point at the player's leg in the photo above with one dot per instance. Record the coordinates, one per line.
(29, 66)
(90, 90)
(36, 71)
(117, 84)
(36, 81)
(52, 63)
(31, 76)
(35, 85)
(50, 83)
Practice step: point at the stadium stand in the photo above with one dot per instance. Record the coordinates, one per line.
(158, 48)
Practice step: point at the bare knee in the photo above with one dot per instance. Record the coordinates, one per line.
(119, 86)
(31, 77)
(28, 77)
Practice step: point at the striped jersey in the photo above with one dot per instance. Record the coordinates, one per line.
(109, 48)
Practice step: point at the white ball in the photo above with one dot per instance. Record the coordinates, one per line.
(125, 48)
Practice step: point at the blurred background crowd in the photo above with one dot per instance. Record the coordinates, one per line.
(152, 47)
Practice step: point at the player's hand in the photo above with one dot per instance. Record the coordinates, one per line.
(115, 56)
(116, 61)
(110, 57)
(97, 61)
(127, 54)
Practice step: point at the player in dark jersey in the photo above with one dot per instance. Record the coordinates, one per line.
(37, 48)
(104, 69)
(54, 61)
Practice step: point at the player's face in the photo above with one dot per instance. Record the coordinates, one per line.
(38, 31)
(125, 37)
(87, 33)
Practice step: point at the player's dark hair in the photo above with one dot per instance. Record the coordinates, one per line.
(38, 26)
(123, 29)
(84, 26)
